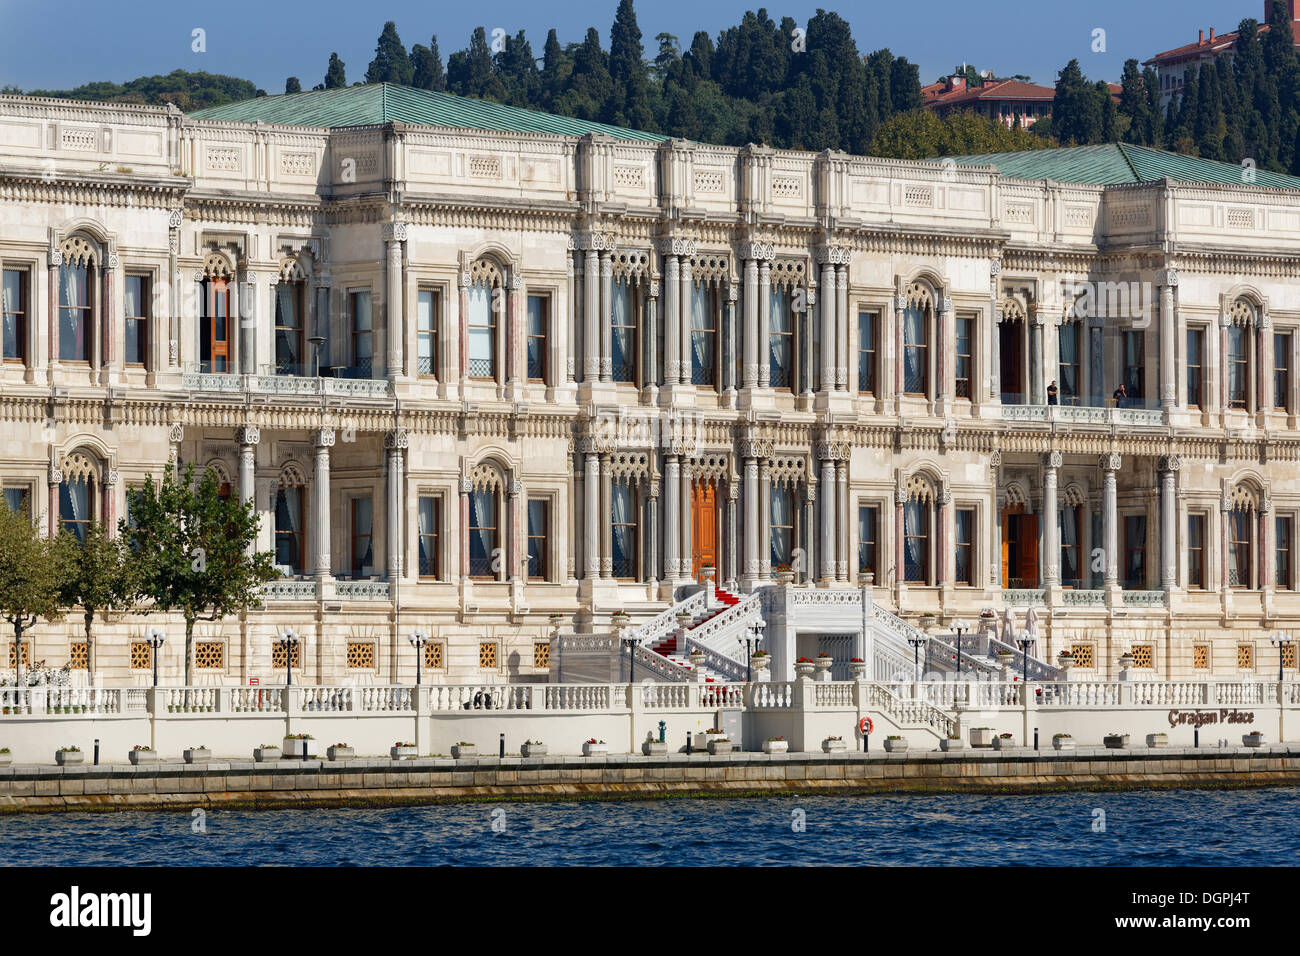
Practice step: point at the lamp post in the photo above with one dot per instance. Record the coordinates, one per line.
(751, 640)
(959, 627)
(917, 643)
(630, 645)
(155, 641)
(418, 639)
(288, 640)
(316, 341)
(1024, 640)
(1281, 641)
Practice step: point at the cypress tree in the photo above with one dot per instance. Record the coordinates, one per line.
(629, 103)
(426, 65)
(391, 64)
(517, 70)
(291, 85)
(1134, 105)
(334, 75)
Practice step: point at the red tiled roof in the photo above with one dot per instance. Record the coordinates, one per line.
(1205, 47)
(997, 91)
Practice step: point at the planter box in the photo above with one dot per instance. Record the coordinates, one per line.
(296, 747)
(6, 760)
(401, 753)
(595, 750)
(66, 757)
(1116, 742)
(981, 737)
(1252, 740)
(461, 751)
(1157, 740)
(265, 754)
(138, 757)
(776, 746)
(720, 746)
(197, 755)
(653, 748)
(948, 744)
(1004, 743)
(803, 670)
(532, 750)
(891, 746)
(340, 753)
(1006, 660)
(1063, 743)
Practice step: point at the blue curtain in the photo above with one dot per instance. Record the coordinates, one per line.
(623, 536)
(428, 560)
(482, 341)
(782, 526)
(780, 340)
(482, 532)
(915, 548)
(75, 296)
(914, 352)
(622, 334)
(702, 332)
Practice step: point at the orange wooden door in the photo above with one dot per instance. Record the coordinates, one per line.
(704, 526)
(219, 326)
(1028, 541)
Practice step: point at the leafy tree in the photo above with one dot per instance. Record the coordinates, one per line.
(31, 566)
(189, 91)
(292, 85)
(196, 550)
(335, 76)
(472, 73)
(426, 64)
(590, 85)
(629, 100)
(100, 574)
(921, 134)
(516, 69)
(1135, 105)
(391, 64)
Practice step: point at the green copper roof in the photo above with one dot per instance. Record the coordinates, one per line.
(1115, 163)
(387, 102)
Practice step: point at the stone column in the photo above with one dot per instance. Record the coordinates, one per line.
(323, 439)
(828, 311)
(54, 478)
(842, 328)
(110, 502)
(684, 327)
(842, 520)
(1110, 464)
(751, 334)
(1168, 279)
(514, 338)
(943, 547)
(175, 301)
(995, 341)
(1268, 555)
(246, 327)
(463, 330)
(1264, 376)
(591, 515)
(107, 312)
(995, 538)
(591, 314)
(687, 565)
(569, 330)
(732, 577)
(900, 538)
(1096, 363)
(397, 442)
(466, 489)
(764, 323)
(731, 350)
(248, 437)
(514, 571)
(607, 509)
(672, 518)
(606, 317)
(942, 361)
(900, 318)
(765, 519)
(1036, 383)
(1051, 556)
(55, 257)
(652, 539)
(1168, 466)
(1222, 364)
(828, 498)
(672, 322)
(752, 562)
(650, 364)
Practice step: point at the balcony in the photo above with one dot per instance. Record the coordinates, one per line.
(345, 381)
(1083, 414)
(304, 589)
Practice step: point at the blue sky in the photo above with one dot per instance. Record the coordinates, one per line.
(58, 46)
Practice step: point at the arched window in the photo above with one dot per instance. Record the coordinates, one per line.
(1241, 540)
(918, 522)
(1069, 367)
(77, 495)
(625, 537)
(917, 322)
(290, 517)
(77, 274)
(705, 322)
(1013, 336)
(290, 355)
(216, 314)
(783, 346)
(782, 526)
(1243, 321)
(625, 329)
(486, 511)
(486, 302)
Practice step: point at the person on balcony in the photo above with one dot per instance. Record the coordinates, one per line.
(1121, 396)
(1053, 393)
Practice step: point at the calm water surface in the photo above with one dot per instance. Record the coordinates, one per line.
(1148, 828)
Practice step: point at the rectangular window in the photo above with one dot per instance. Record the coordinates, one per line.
(781, 340)
(16, 499)
(74, 313)
(1239, 569)
(282, 656)
(539, 320)
(1144, 656)
(210, 655)
(916, 359)
(76, 506)
(704, 335)
(868, 539)
(965, 356)
(426, 333)
(623, 331)
(433, 656)
(141, 656)
(79, 656)
(625, 537)
(135, 297)
(1084, 657)
(1288, 656)
(1238, 361)
(483, 534)
(13, 306)
(482, 332)
(361, 655)
(916, 542)
(1135, 367)
(288, 528)
(363, 331)
(538, 530)
(1196, 551)
(363, 559)
(1068, 363)
(1281, 370)
(1282, 544)
(289, 357)
(487, 654)
(867, 352)
(1195, 366)
(1071, 524)
(429, 518)
(541, 655)
(964, 526)
(781, 540)
(1135, 551)
(214, 326)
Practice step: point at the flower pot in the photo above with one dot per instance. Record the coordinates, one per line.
(804, 668)
(760, 664)
(296, 747)
(1116, 741)
(1003, 743)
(340, 753)
(532, 750)
(720, 746)
(653, 748)
(1252, 740)
(1063, 743)
(402, 753)
(858, 670)
(696, 658)
(823, 665)
(138, 757)
(981, 737)
(892, 746)
(461, 751)
(784, 577)
(1006, 659)
(595, 750)
(1157, 740)
(6, 760)
(949, 744)
(197, 755)
(67, 757)
(776, 746)
(266, 754)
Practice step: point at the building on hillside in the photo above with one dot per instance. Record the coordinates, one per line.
(1172, 65)
(1006, 101)
(492, 374)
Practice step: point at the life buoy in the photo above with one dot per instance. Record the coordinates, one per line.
(865, 725)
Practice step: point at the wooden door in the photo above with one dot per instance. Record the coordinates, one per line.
(1028, 541)
(214, 330)
(704, 526)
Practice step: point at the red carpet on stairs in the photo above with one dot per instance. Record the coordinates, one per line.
(668, 646)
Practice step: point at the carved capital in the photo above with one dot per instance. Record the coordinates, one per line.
(395, 231)
(1053, 459)
(900, 496)
(1169, 463)
(248, 435)
(55, 475)
(1110, 462)
(323, 438)
(174, 218)
(1167, 277)
(177, 433)
(466, 486)
(398, 439)
(995, 268)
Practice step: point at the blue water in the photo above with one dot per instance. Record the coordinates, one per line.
(1148, 828)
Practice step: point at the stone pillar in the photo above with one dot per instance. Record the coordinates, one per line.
(652, 539)
(752, 563)
(842, 328)
(650, 370)
(1222, 366)
(515, 570)
(1168, 279)
(52, 334)
(591, 515)
(1225, 516)
(828, 497)
(174, 219)
(900, 537)
(396, 442)
(54, 478)
(466, 488)
(323, 439)
(1264, 376)
(943, 549)
(995, 341)
(1036, 383)
(110, 502)
(107, 313)
(1268, 550)
(248, 437)
(828, 311)
(591, 314)
(900, 318)
(513, 336)
(672, 518)
(1051, 556)
(606, 317)
(731, 348)
(842, 521)
(463, 330)
(687, 565)
(751, 333)
(1110, 464)
(684, 327)
(1168, 466)
(765, 519)
(732, 577)
(606, 509)
(764, 323)
(1096, 363)
(672, 323)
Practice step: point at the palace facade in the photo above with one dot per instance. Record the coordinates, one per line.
(493, 376)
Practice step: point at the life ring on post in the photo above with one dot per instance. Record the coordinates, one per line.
(865, 726)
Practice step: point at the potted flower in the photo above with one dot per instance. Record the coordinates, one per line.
(865, 578)
(141, 754)
(823, 663)
(532, 748)
(1062, 741)
(620, 619)
(1125, 660)
(463, 749)
(297, 745)
(895, 744)
(1065, 660)
(981, 737)
(784, 574)
(760, 660)
(696, 657)
(803, 667)
(403, 750)
(707, 572)
(1116, 741)
(594, 748)
(68, 755)
(1253, 739)
(1004, 741)
(720, 744)
(927, 621)
(684, 619)
(1005, 658)
(340, 751)
(776, 745)
(653, 748)
(951, 742)
(834, 745)
(6, 757)
(266, 753)
(199, 754)
(1157, 740)
(858, 668)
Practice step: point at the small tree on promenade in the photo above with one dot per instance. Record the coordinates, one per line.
(30, 571)
(100, 574)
